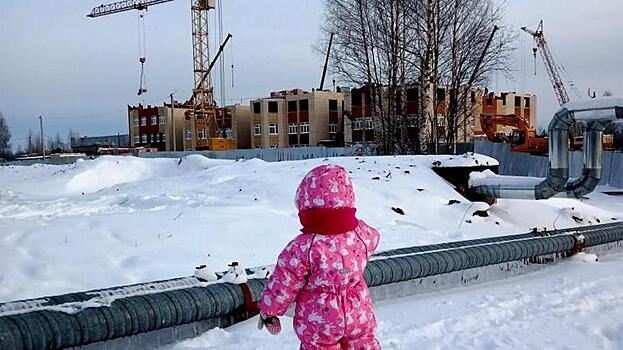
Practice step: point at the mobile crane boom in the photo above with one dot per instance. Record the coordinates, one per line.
(550, 65)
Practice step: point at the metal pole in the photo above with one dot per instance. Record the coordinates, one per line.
(42, 140)
(174, 148)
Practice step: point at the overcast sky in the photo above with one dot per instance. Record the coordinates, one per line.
(81, 73)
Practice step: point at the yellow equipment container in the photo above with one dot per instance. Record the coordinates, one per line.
(221, 144)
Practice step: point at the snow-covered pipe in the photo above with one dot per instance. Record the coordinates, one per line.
(158, 317)
(595, 114)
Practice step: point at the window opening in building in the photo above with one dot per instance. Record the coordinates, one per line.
(333, 105)
(273, 107)
(291, 106)
(441, 94)
(304, 105)
(357, 124)
(356, 99)
(441, 120)
(273, 129)
(412, 95)
(292, 129)
(257, 107)
(257, 129)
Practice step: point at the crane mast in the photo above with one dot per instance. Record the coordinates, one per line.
(550, 64)
(203, 119)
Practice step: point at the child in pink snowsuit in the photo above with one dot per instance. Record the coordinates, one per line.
(322, 269)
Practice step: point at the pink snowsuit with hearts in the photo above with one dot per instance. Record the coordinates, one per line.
(324, 274)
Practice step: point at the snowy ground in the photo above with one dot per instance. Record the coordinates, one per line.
(122, 220)
(571, 305)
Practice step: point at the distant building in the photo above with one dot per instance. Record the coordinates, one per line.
(91, 145)
(522, 105)
(364, 122)
(241, 125)
(296, 118)
(151, 126)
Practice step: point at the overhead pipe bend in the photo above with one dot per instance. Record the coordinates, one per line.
(595, 114)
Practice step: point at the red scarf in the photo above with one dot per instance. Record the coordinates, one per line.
(328, 221)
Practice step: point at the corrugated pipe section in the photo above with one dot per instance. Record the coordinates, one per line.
(78, 319)
(594, 114)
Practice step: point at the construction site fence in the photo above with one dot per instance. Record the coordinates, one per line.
(524, 164)
(273, 154)
(157, 313)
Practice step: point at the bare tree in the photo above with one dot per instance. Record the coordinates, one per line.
(19, 151)
(72, 138)
(471, 56)
(391, 44)
(370, 48)
(56, 144)
(33, 144)
(5, 139)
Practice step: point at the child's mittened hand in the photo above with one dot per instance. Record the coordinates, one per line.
(272, 323)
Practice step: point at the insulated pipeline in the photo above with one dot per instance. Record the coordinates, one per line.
(76, 319)
(595, 114)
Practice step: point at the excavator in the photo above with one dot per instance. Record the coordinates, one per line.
(524, 138)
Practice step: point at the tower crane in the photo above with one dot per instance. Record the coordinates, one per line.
(203, 116)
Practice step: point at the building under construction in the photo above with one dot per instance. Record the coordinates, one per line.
(160, 127)
(296, 118)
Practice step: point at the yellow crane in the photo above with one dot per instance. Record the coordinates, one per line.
(203, 116)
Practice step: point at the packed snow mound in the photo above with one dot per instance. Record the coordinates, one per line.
(109, 171)
(122, 220)
(464, 160)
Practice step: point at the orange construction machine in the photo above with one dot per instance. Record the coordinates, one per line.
(523, 138)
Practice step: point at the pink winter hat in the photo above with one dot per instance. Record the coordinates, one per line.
(325, 187)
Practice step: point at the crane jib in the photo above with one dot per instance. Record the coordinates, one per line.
(121, 6)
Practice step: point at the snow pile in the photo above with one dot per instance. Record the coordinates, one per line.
(467, 159)
(122, 220)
